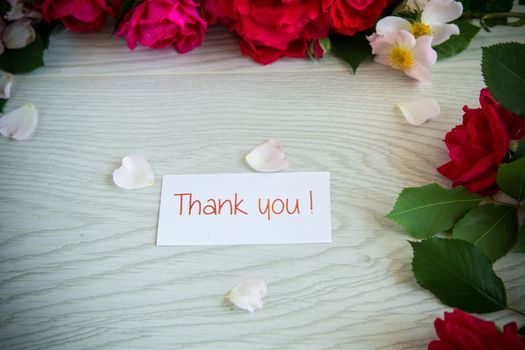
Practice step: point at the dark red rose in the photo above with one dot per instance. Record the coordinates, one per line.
(163, 23)
(479, 145)
(78, 15)
(352, 16)
(271, 29)
(461, 331)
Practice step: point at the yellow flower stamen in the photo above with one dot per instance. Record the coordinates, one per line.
(401, 59)
(419, 29)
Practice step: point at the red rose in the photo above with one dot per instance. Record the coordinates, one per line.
(77, 15)
(163, 23)
(461, 331)
(352, 16)
(480, 144)
(271, 29)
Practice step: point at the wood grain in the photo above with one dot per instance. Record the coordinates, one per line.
(78, 264)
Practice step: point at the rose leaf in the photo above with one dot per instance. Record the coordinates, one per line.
(491, 228)
(511, 178)
(352, 49)
(457, 43)
(23, 60)
(427, 210)
(504, 74)
(458, 274)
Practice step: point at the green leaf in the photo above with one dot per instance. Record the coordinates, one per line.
(457, 43)
(520, 244)
(427, 210)
(491, 228)
(23, 60)
(511, 178)
(521, 331)
(504, 74)
(2, 104)
(520, 151)
(352, 49)
(458, 274)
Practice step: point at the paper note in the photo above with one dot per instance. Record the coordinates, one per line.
(224, 209)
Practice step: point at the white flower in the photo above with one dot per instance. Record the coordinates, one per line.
(419, 111)
(18, 10)
(434, 21)
(6, 80)
(20, 123)
(267, 157)
(134, 173)
(400, 50)
(248, 295)
(19, 34)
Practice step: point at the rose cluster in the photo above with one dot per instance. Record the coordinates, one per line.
(268, 29)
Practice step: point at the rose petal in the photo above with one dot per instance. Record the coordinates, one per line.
(6, 80)
(19, 34)
(248, 295)
(442, 32)
(423, 51)
(419, 111)
(420, 72)
(134, 173)
(392, 24)
(441, 11)
(20, 123)
(267, 157)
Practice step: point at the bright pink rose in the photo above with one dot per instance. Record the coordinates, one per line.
(352, 16)
(461, 331)
(77, 15)
(271, 29)
(162, 23)
(478, 146)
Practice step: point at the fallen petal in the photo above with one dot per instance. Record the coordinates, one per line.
(267, 157)
(134, 173)
(19, 34)
(248, 295)
(6, 80)
(418, 112)
(20, 123)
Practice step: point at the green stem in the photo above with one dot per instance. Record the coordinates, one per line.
(486, 16)
(516, 311)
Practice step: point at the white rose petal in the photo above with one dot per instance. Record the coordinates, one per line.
(267, 157)
(134, 173)
(6, 80)
(248, 295)
(19, 34)
(20, 123)
(419, 111)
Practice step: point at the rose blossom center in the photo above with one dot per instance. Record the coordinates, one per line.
(420, 29)
(401, 59)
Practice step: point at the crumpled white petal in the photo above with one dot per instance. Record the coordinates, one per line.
(6, 80)
(419, 111)
(19, 34)
(441, 11)
(20, 123)
(18, 10)
(392, 24)
(267, 157)
(134, 173)
(248, 295)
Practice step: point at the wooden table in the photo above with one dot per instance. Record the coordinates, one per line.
(79, 267)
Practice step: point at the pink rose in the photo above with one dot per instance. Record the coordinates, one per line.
(163, 23)
(78, 15)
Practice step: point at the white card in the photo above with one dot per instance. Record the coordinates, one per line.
(251, 208)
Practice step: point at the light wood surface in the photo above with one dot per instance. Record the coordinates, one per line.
(78, 264)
